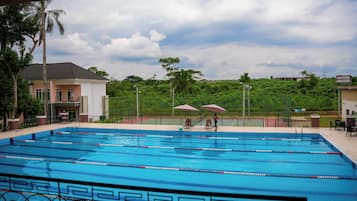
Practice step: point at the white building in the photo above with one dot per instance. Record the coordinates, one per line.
(72, 89)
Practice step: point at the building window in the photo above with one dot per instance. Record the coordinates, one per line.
(347, 112)
(48, 94)
(39, 94)
(70, 94)
(59, 95)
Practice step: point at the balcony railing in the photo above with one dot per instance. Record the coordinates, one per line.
(67, 100)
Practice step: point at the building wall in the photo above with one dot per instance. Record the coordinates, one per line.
(76, 92)
(95, 91)
(92, 90)
(349, 102)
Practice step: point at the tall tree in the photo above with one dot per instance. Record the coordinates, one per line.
(46, 19)
(133, 79)
(180, 79)
(15, 26)
(309, 80)
(95, 70)
(169, 63)
(14, 63)
(244, 78)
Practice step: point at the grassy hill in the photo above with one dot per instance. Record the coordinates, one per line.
(266, 96)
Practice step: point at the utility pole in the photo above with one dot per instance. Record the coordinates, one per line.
(137, 104)
(249, 88)
(173, 101)
(243, 104)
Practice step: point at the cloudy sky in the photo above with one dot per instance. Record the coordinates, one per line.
(221, 38)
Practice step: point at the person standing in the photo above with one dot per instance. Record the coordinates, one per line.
(215, 118)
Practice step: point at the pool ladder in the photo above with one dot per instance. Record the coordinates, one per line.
(75, 125)
(301, 131)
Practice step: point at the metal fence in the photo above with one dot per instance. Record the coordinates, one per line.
(200, 120)
(31, 188)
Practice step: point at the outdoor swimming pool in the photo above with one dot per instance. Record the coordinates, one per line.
(246, 163)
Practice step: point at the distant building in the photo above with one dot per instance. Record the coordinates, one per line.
(289, 78)
(348, 101)
(72, 89)
(343, 79)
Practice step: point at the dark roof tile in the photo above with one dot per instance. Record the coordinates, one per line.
(55, 71)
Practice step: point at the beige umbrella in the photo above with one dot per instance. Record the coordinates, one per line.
(213, 108)
(186, 107)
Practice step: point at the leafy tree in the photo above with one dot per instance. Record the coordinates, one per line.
(14, 63)
(169, 63)
(309, 80)
(244, 78)
(6, 100)
(15, 27)
(133, 79)
(180, 79)
(95, 70)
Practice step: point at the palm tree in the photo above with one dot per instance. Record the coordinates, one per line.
(46, 19)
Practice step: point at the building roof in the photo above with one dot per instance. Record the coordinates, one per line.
(6, 2)
(57, 71)
(349, 88)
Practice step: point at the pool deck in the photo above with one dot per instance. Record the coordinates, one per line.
(346, 144)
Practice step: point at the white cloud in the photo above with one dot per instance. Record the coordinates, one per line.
(136, 46)
(156, 36)
(72, 43)
(107, 33)
(304, 19)
(229, 61)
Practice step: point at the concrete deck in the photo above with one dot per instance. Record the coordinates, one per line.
(346, 144)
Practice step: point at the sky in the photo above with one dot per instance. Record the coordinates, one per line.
(221, 38)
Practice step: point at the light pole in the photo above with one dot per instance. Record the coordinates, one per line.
(243, 102)
(245, 87)
(137, 104)
(173, 101)
(249, 88)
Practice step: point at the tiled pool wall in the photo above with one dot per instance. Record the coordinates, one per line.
(41, 134)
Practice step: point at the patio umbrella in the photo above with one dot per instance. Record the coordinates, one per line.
(185, 107)
(213, 108)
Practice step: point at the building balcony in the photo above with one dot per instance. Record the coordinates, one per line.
(68, 102)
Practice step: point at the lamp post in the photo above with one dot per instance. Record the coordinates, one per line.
(137, 104)
(249, 88)
(245, 87)
(173, 101)
(243, 102)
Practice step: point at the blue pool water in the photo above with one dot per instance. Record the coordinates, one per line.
(248, 163)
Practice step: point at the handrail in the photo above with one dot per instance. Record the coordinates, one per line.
(213, 195)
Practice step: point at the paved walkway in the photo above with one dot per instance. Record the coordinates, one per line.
(346, 144)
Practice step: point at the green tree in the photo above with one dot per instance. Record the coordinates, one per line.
(14, 29)
(95, 70)
(180, 79)
(6, 100)
(133, 79)
(245, 78)
(169, 63)
(309, 81)
(14, 63)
